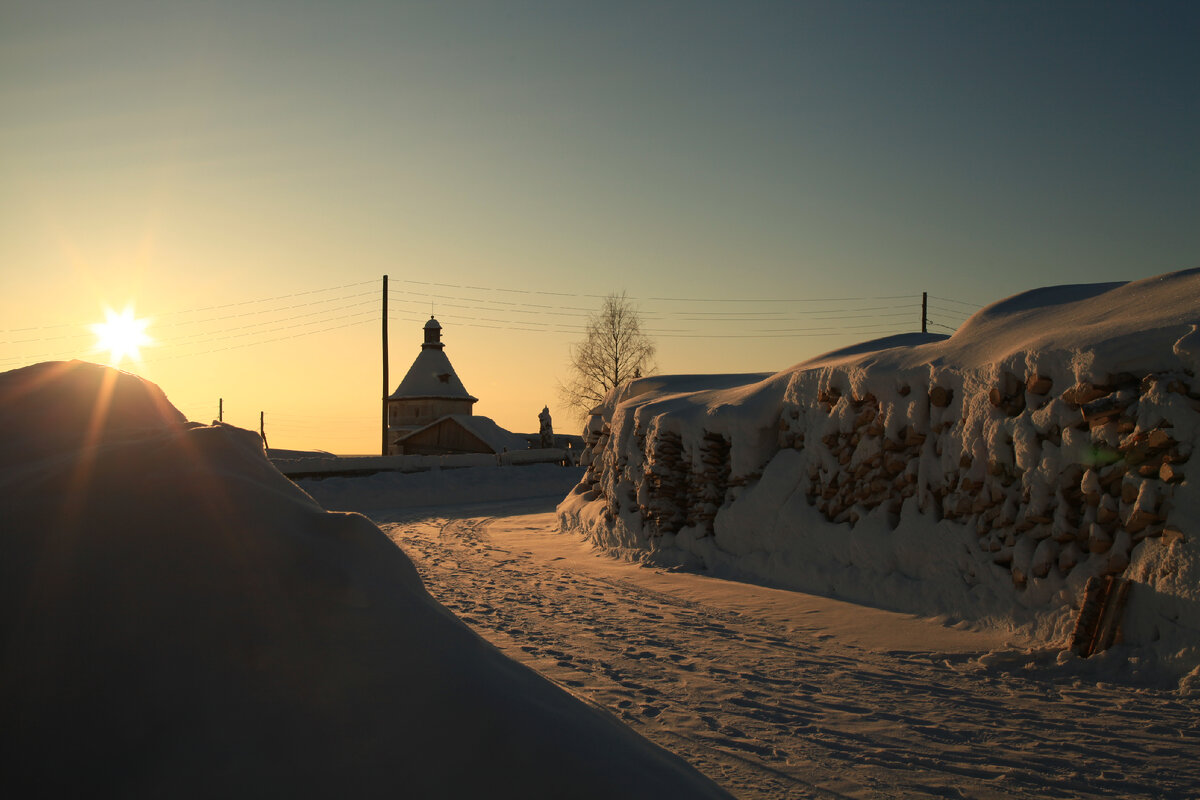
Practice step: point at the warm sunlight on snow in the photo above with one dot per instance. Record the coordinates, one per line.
(121, 335)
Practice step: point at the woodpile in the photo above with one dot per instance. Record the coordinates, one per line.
(663, 498)
(1029, 524)
(1050, 475)
(680, 489)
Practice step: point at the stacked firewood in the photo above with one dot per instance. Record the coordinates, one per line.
(1100, 506)
(709, 484)
(663, 494)
(681, 489)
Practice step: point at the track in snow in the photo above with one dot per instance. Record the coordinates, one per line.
(773, 710)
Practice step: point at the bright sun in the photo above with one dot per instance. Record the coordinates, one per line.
(121, 335)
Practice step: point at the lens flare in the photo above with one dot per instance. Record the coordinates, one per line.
(121, 335)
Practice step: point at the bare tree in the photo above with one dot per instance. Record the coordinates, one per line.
(614, 350)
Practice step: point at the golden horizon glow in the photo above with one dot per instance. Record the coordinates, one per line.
(122, 335)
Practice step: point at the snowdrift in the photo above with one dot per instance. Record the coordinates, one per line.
(461, 487)
(178, 619)
(983, 477)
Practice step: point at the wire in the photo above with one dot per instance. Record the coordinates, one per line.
(267, 299)
(255, 344)
(960, 302)
(273, 310)
(234, 331)
(491, 313)
(951, 311)
(767, 336)
(667, 299)
(488, 306)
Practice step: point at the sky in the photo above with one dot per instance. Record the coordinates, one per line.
(766, 180)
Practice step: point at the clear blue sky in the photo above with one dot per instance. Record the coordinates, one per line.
(183, 155)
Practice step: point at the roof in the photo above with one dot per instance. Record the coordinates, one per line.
(431, 376)
(482, 428)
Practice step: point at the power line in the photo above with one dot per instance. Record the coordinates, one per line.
(82, 333)
(768, 336)
(953, 311)
(488, 306)
(960, 302)
(268, 299)
(274, 310)
(203, 308)
(262, 323)
(262, 342)
(766, 333)
(669, 299)
(235, 331)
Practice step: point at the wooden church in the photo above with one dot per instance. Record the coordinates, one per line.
(430, 412)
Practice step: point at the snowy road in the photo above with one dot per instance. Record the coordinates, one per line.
(777, 694)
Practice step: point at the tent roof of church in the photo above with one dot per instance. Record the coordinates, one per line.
(431, 376)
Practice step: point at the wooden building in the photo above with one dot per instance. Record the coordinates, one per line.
(459, 433)
(431, 411)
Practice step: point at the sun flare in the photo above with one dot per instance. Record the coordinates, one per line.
(121, 335)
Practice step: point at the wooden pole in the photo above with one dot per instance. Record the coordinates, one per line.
(262, 428)
(220, 409)
(385, 366)
(924, 312)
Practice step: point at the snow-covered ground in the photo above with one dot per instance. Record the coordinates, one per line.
(985, 476)
(177, 619)
(776, 693)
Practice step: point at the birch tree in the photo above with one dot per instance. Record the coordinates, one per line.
(614, 350)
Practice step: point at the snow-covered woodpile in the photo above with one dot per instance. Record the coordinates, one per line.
(671, 487)
(981, 475)
(1047, 477)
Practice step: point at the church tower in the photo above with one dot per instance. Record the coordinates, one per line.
(430, 390)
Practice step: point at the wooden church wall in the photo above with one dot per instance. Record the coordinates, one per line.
(445, 437)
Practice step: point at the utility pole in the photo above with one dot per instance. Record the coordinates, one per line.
(220, 409)
(924, 312)
(262, 428)
(384, 450)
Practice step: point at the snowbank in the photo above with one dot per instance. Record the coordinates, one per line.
(983, 476)
(178, 619)
(440, 487)
(314, 466)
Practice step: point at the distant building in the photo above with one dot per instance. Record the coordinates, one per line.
(431, 411)
(461, 433)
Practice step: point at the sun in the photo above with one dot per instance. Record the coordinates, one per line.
(121, 335)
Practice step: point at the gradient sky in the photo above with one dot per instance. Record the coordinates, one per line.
(245, 172)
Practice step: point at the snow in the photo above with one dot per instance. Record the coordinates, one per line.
(727, 475)
(277, 454)
(441, 487)
(181, 620)
(431, 376)
(778, 693)
(786, 694)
